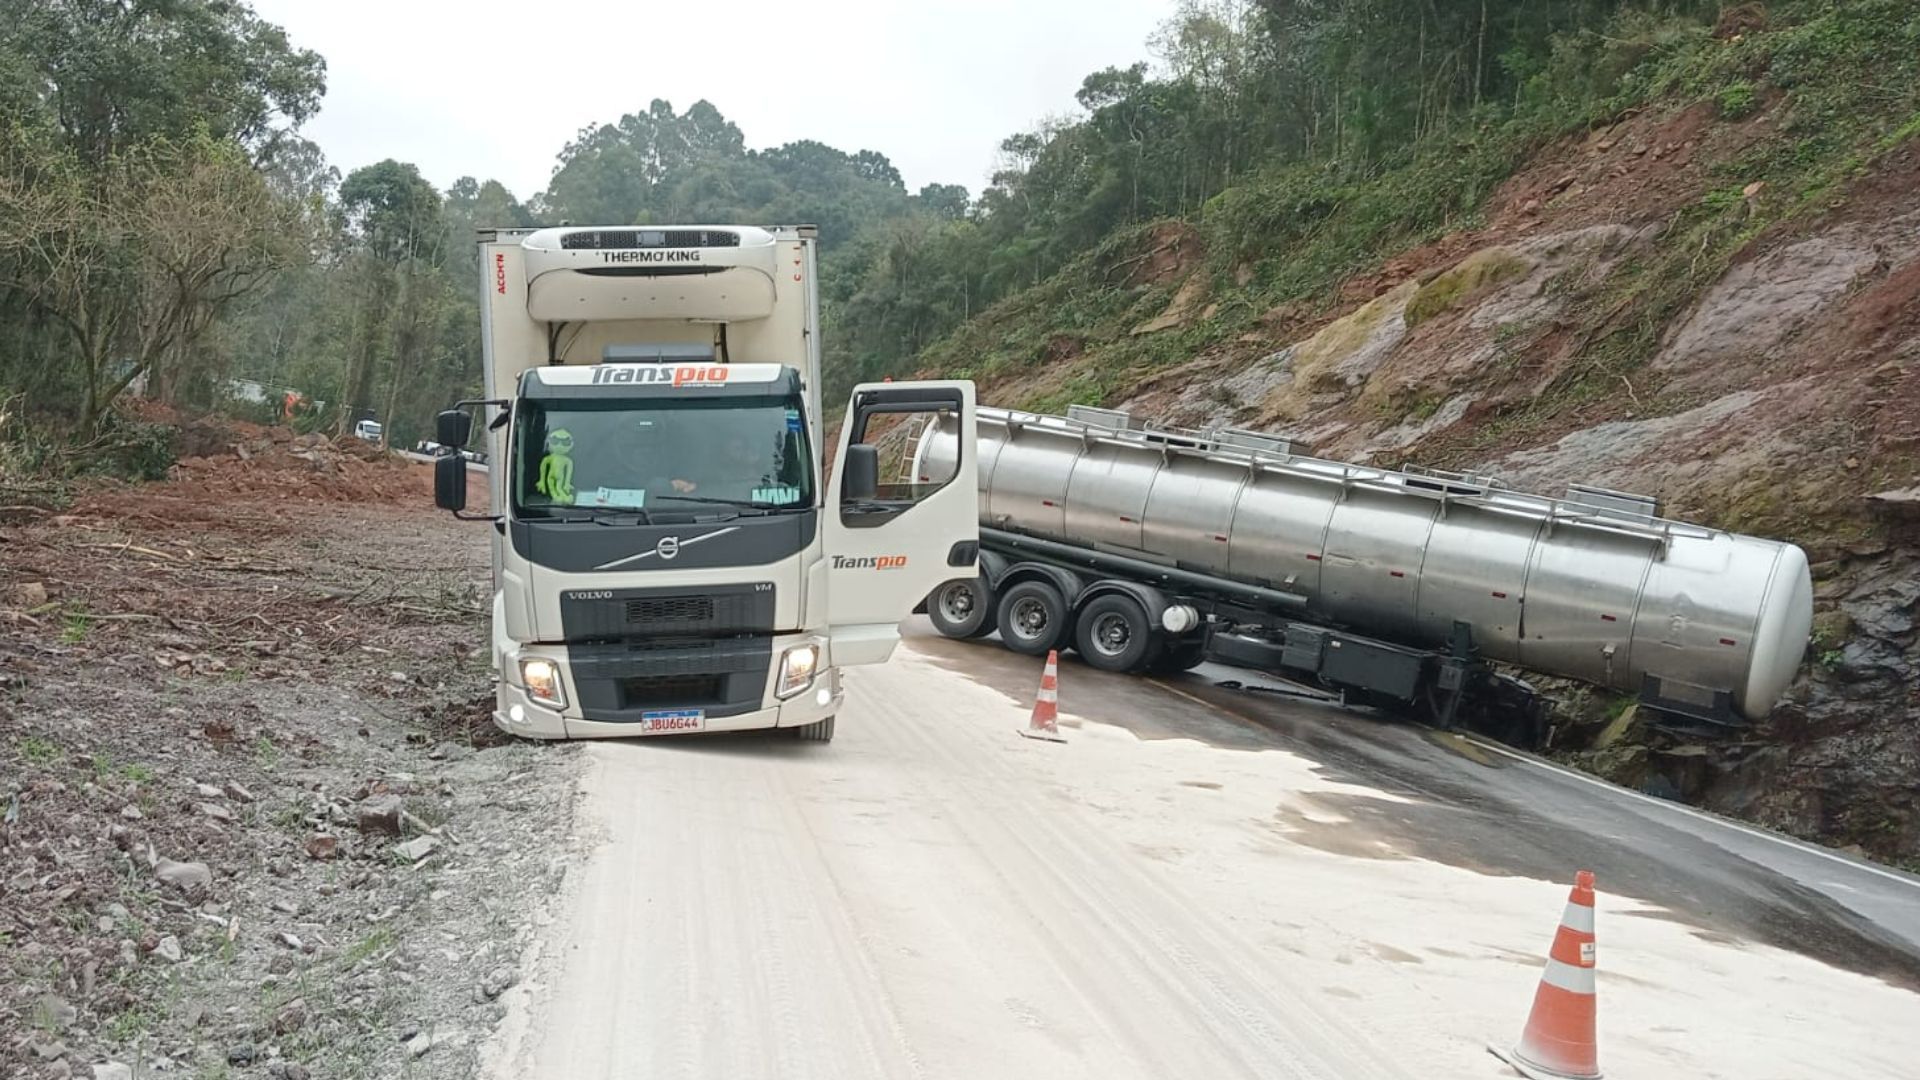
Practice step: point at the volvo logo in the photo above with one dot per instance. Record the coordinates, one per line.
(668, 548)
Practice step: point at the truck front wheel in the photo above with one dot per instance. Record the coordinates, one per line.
(1114, 635)
(962, 609)
(1034, 619)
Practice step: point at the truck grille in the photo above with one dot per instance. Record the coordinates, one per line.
(619, 681)
(629, 615)
(670, 609)
(670, 690)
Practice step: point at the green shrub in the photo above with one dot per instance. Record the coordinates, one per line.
(1738, 99)
(131, 450)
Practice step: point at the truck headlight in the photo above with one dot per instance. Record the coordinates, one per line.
(796, 669)
(542, 680)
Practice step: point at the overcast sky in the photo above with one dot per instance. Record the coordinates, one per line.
(492, 89)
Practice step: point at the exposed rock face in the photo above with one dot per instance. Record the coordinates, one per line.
(1843, 758)
(1210, 402)
(1413, 429)
(1409, 357)
(1761, 304)
(1624, 452)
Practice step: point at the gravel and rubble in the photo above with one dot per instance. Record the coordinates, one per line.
(254, 819)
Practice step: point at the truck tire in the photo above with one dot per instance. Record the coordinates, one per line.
(1114, 634)
(962, 609)
(1181, 655)
(1034, 619)
(818, 731)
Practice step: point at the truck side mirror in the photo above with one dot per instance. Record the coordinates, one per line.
(861, 481)
(450, 478)
(451, 428)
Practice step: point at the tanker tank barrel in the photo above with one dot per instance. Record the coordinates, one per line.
(1593, 586)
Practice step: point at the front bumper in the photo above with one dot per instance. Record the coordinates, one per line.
(516, 714)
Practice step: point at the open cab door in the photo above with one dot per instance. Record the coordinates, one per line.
(892, 535)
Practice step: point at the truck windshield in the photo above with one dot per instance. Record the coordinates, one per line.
(648, 454)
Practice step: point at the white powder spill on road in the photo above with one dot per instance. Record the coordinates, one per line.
(933, 896)
(1437, 960)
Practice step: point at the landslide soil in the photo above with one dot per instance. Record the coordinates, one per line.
(256, 821)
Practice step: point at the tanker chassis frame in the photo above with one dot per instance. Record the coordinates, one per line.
(1124, 614)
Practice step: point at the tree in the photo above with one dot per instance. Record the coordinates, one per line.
(945, 201)
(472, 205)
(661, 166)
(393, 217)
(611, 173)
(113, 74)
(151, 184)
(298, 170)
(874, 166)
(136, 260)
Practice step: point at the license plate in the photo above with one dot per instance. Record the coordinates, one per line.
(666, 721)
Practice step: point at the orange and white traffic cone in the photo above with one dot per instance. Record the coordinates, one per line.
(1559, 1041)
(1046, 706)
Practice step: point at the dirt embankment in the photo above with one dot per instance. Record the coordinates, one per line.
(254, 819)
(276, 463)
(1596, 328)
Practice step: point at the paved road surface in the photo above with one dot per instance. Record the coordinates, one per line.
(1199, 883)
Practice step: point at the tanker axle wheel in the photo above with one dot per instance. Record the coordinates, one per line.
(962, 609)
(1034, 619)
(1114, 634)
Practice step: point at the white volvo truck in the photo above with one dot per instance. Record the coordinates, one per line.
(672, 551)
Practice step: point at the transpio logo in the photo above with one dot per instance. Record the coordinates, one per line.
(871, 562)
(661, 374)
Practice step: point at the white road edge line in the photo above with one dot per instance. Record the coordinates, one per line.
(1762, 834)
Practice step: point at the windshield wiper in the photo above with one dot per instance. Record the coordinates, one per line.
(602, 515)
(738, 504)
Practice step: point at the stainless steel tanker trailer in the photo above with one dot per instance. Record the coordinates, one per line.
(1153, 549)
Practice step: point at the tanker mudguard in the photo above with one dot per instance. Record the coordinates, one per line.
(1153, 600)
(1070, 584)
(993, 566)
